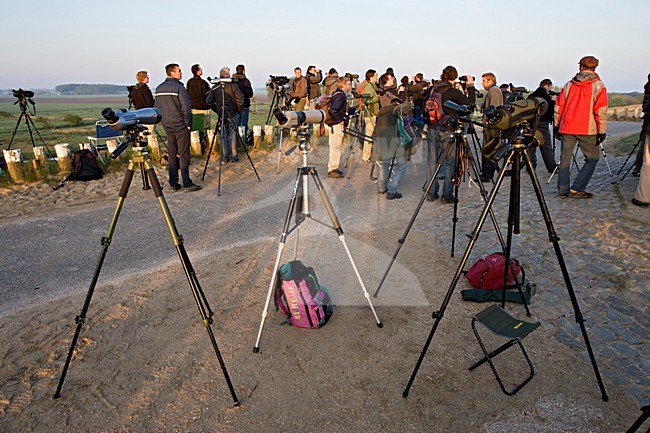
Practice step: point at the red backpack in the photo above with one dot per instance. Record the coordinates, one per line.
(487, 273)
(433, 114)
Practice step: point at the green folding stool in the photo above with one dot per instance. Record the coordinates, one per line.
(497, 320)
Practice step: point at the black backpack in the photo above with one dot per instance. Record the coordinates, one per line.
(84, 166)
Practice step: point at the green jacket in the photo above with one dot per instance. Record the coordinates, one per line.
(370, 98)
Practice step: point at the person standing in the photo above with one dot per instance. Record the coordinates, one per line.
(546, 148)
(330, 82)
(581, 118)
(174, 104)
(228, 95)
(299, 90)
(198, 90)
(246, 88)
(493, 98)
(368, 90)
(314, 77)
(141, 93)
(338, 111)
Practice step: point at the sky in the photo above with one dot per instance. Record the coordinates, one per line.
(54, 42)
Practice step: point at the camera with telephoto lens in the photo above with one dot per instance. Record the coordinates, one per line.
(289, 119)
(351, 76)
(279, 80)
(463, 79)
(22, 94)
(215, 81)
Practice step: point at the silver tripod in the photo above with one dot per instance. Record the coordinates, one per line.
(300, 205)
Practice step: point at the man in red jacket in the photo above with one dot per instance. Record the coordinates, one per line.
(581, 117)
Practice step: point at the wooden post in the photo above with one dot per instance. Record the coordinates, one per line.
(154, 146)
(63, 157)
(14, 160)
(195, 143)
(257, 133)
(268, 133)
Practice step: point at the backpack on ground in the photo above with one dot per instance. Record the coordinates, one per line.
(487, 273)
(85, 166)
(304, 302)
(433, 113)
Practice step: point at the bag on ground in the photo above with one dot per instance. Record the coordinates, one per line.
(84, 166)
(487, 273)
(304, 302)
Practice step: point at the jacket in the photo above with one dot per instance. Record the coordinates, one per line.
(174, 104)
(313, 84)
(494, 98)
(450, 93)
(233, 99)
(370, 98)
(338, 106)
(142, 97)
(198, 90)
(581, 107)
(387, 145)
(299, 88)
(246, 88)
(541, 92)
(330, 84)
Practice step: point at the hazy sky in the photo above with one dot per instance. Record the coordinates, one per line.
(54, 42)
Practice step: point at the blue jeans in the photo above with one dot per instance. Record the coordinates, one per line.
(243, 119)
(178, 145)
(388, 180)
(436, 143)
(230, 137)
(591, 153)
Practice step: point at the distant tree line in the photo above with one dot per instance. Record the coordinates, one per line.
(91, 89)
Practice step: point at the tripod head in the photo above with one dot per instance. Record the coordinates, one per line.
(24, 98)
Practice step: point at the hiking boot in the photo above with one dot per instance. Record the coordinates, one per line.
(335, 174)
(393, 196)
(174, 188)
(432, 197)
(193, 187)
(579, 194)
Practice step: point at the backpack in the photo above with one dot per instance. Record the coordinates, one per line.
(433, 113)
(406, 130)
(84, 166)
(487, 273)
(323, 103)
(304, 302)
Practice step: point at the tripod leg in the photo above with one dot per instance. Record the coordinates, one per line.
(243, 145)
(339, 230)
(13, 135)
(30, 120)
(629, 156)
(553, 237)
(197, 292)
(401, 240)
(274, 274)
(279, 148)
(106, 242)
(207, 157)
(457, 178)
(438, 315)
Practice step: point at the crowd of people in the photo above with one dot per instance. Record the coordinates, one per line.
(576, 115)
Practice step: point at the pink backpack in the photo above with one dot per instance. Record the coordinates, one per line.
(487, 273)
(304, 302)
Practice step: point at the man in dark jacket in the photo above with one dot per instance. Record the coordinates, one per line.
(228, 96)
(439, 136)
(246, 88)
(314, 77)
(338, 113)
(198, 90)
(546, 148)
(141, 94)
(174, 104)
(331, 81)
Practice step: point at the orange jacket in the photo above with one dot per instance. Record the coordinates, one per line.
(581, 108)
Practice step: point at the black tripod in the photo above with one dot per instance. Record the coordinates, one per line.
(280, 100)
(221, 129)
(638, 161)
(516, 152)
(464, 162)
(359, 138)
(140, 160)
(300, 205)
(23, 100)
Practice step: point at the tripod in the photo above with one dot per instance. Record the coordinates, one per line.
(24, 114)
(220, 128)
(516, 152)
(280, 100)
(359, 138)
(464, 161)
(300, 204)
(637, 161)
(140, 160)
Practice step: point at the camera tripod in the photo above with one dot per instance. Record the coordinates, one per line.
(638, 161)
(300, 205)
(24, 114)
(575, 154)
(464, 162)
(516, 152)
(140, 160)
(359, 138)
(280, 100)
(222, 130)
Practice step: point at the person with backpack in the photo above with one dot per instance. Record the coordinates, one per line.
(493, 98)
(439, 132)
(387, 147)
(337, 111)
(330, 81)
(368, 91)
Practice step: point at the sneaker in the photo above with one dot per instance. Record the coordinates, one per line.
(579, 194)
(335, 174)
(639, 203)
(432, 197)
(393, 196)
(174, 188)
(193, 187)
